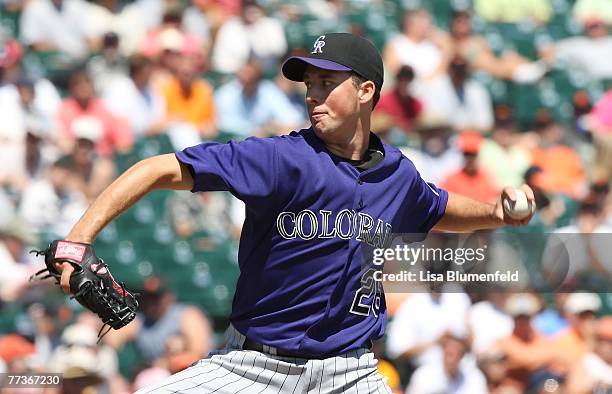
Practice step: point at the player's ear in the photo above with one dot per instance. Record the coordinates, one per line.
(366, 92)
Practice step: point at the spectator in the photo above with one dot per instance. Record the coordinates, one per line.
(40, 151)
(488, 321)
(585, 53)
(134, 98)
(58, 25)
(504, 155)
(214, 214)
(398, 103)
(294, 92)
(420, 45)
(243, 105)
(7, 206)
(463, 101)
(116, 135)
(494, 365)
(599, 123)
(554, 210)
(593, 373)
(190, 106)
(15, 239)
(421, 321)
(149, 376)
(176, 355)
(580, 247)
(164, 47)
(46, 320)
(125, 20)
(585, 10)
(10, 55)
(108, 66)
(528, 352)
(551, 320)
(171, 36)
(329, 12)
(437, 157)
(16, 351)
(562, 167)
(162, 318)
(250, 34)
(27, 108)
(89, 172)
(387, 369)
(45, 99)
(451, 376)
(52, 205)
(79, 351)
(471, 180)
(25, 103)
(479, 56)
(503, 11)
(13, 131)
(198, 21)
(579, 338)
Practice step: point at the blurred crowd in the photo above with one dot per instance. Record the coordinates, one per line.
(85, 83)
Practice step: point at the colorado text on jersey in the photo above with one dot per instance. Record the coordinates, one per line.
(345, 224)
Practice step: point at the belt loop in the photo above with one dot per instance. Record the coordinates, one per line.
(234, 338)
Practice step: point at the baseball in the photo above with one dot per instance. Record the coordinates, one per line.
(519, 209)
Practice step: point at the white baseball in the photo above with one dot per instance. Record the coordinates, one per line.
(519, 209)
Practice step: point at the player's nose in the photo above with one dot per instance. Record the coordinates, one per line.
(313, 98)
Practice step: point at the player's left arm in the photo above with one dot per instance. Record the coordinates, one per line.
(464, 214)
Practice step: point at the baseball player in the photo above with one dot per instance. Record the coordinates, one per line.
(304, 313)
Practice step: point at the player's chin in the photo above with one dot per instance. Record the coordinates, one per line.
(319, 129)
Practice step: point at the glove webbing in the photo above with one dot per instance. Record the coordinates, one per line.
(110, 301)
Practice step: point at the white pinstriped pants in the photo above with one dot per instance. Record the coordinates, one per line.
(232, 370)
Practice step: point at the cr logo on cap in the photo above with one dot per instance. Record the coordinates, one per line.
(318, 45)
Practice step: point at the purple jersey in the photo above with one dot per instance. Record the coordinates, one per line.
(308, 212)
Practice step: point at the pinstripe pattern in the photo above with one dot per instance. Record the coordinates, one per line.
(232, 370)
(244, 354)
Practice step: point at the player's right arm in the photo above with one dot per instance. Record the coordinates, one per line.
(155, 173)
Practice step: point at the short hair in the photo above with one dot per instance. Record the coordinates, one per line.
(405, 72)
(457, 14)
(77, 75)
(358, 80)
(137, 63)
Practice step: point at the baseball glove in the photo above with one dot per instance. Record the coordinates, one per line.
(91, 283)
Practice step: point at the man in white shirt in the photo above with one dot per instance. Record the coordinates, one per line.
(421, 321)
(251, 33)
(52, 205)
(588, 53)
(57, 25)
(488, 322)
(133, 98)
(451, 376)
(463, 101)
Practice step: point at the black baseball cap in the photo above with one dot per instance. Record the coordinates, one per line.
(339, 52)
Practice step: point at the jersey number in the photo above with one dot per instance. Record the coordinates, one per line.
(370, 289)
